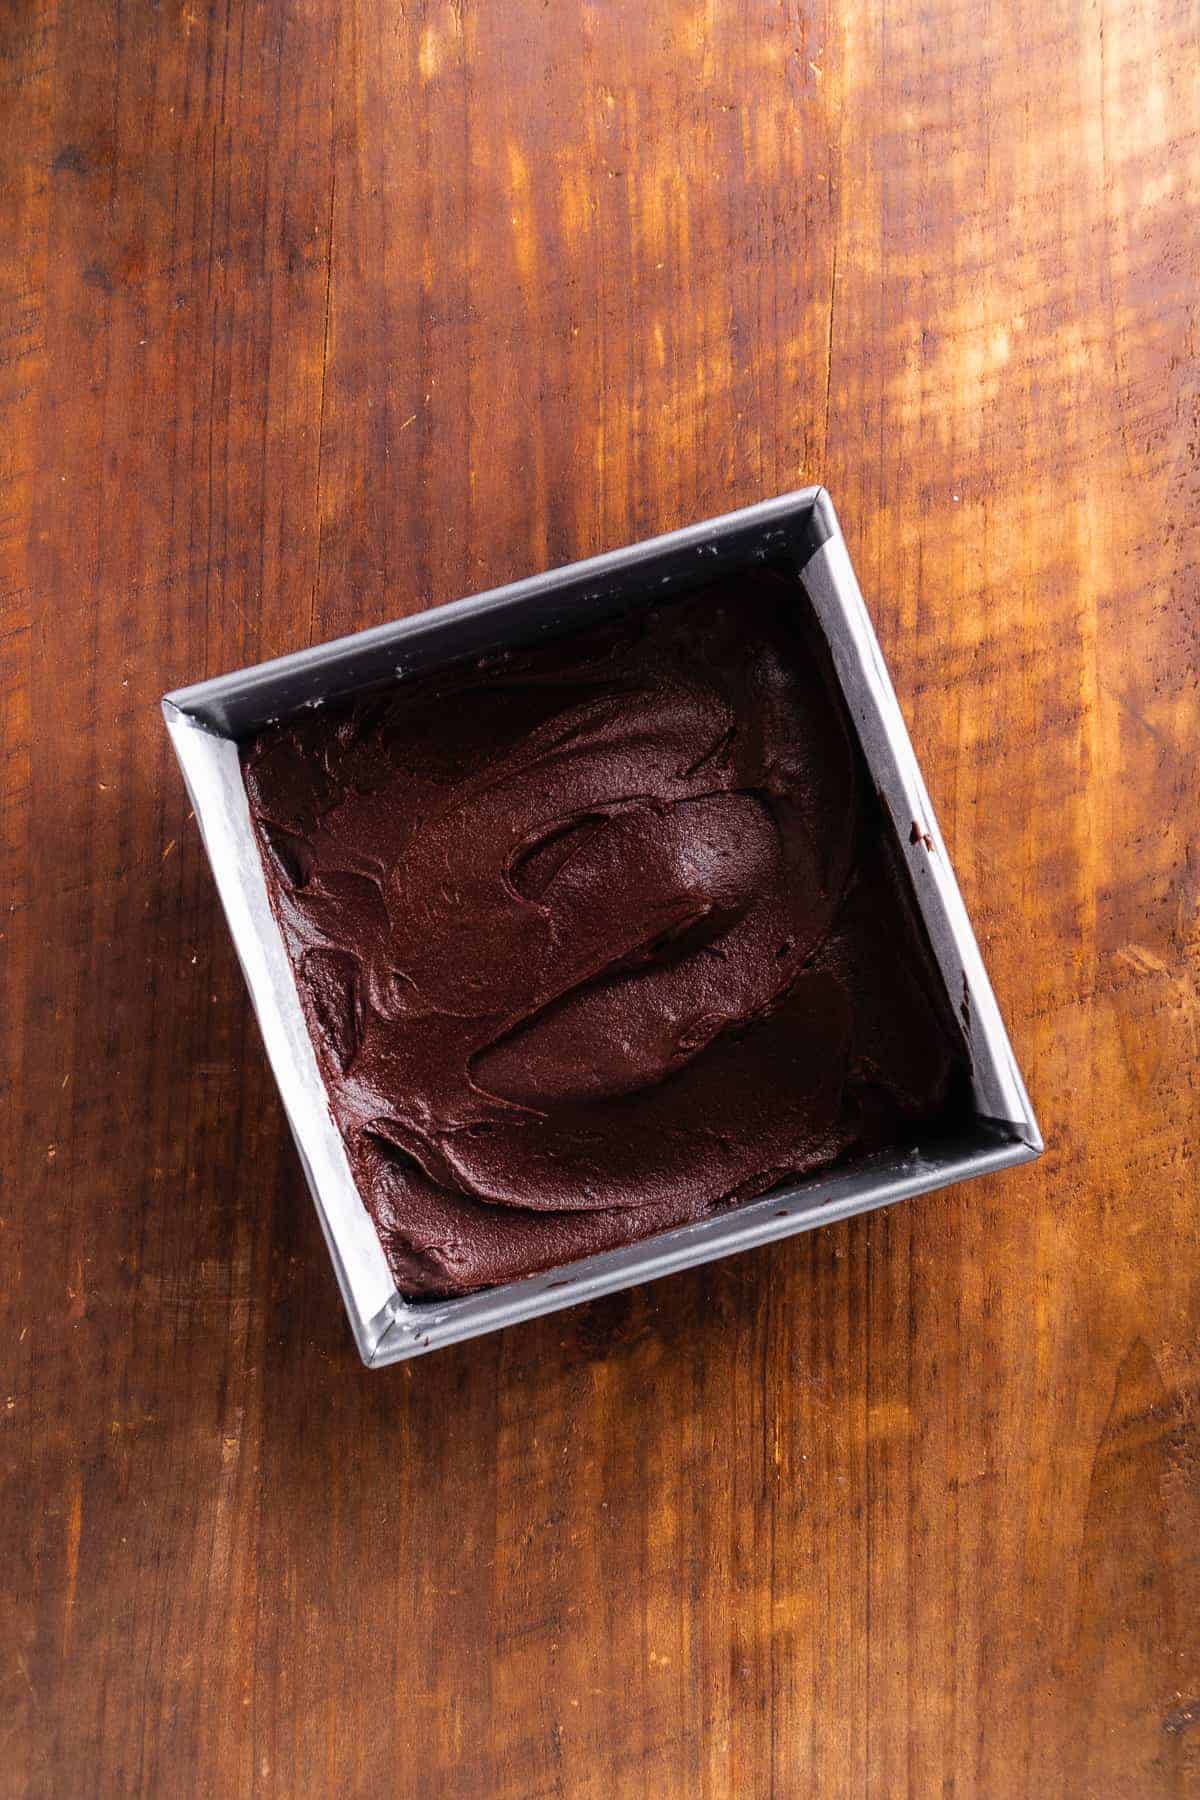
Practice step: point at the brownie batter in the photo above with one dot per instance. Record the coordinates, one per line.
(597, 938)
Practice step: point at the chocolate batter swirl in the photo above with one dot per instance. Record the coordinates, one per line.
(596, 938)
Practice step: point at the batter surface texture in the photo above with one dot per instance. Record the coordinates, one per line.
(596, 938)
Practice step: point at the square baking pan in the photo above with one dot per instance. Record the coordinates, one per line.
(796, 534)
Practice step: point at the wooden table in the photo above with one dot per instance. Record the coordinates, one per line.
(317, 314)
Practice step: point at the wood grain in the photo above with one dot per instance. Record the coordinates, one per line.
(311, 315)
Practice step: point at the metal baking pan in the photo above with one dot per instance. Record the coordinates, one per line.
(797, 533)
